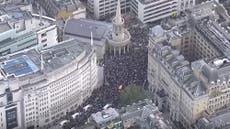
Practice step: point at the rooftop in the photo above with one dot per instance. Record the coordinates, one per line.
(216, 70)
(212, 22)
(215, 34)
(105, 116)
(210, 8)
(179, 69)
(205, 9)
(28, 62)
(4, 27)
(19, 66)
(15, 14)
(64, 53)
(143, 113)
(220, 119)
(157, 31)
(84, 27)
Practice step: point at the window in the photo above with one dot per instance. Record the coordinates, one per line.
(45, 45)
(44, 34)
(44, 40)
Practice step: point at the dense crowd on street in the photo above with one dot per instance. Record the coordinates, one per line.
(124, 70)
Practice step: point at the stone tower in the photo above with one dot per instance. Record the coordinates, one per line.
(119, 41)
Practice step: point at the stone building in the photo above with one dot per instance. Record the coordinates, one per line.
(40, 87)
(188, 63)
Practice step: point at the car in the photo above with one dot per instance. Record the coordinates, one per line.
(75, 115)
(107, 106)
(87, 107)
(62, 123)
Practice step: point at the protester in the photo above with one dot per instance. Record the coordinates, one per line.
(120, 71)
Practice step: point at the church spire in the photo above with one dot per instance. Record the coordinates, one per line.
(118, 18)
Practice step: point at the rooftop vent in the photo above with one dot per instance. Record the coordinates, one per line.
(220, 62)
(105, 115)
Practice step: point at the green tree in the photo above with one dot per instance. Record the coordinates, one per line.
(132, 94)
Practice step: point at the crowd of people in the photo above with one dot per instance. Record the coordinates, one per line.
(124, 70)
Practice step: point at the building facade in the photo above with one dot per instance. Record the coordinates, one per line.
(169, 72)
(103, 8)
(145, 10)
(44, 86)
(188, 63)
(152, 10)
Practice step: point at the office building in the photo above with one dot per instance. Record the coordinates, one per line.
(21, 29)
(170, 74)
(188, 63)
(145, 10)
(104, 8)
(39, 87)
(90, 6)
(152, 10)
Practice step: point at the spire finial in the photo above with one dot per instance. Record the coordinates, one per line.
(40, 15)
(42, 62)
(118, 13)
(91, 36)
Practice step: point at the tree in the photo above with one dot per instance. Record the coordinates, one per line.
(132, 94)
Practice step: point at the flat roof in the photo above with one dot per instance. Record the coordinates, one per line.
(105, 115)
(64, 53)
(19, 66)
(27, 64)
